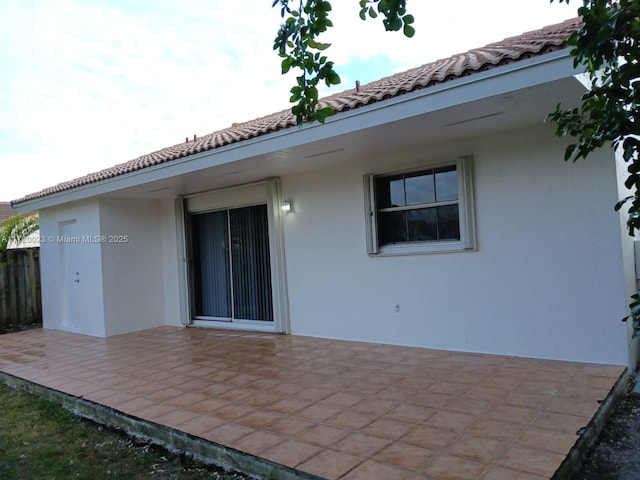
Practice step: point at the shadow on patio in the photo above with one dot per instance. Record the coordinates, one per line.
(299, 407)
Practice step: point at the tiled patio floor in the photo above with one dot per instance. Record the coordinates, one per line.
(331, 408)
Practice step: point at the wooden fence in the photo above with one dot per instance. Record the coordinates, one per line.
(20, 301)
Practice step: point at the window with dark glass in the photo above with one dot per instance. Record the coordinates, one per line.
(418, 206)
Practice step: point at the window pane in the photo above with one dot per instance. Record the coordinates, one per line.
(251, 263)
(211, 265)
(422, 225)
(392, 227)
(420, 189)
(390, 192)
(448, 223)
(447, 184)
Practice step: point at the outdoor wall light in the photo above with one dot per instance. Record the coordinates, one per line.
(286, 206)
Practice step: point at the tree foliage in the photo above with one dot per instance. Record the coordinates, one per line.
(17, 228)
(607, 47)
(297, 43)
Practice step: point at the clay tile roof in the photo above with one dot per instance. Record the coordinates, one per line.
(527, 45)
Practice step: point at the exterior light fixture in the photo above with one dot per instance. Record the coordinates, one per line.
(286, 206)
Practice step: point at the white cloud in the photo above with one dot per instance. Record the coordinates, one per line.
(87, 83)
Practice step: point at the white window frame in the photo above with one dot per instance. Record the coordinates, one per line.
(466, 215)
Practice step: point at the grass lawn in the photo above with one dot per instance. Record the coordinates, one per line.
(41, 440)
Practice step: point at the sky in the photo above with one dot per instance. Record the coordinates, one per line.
(87, 84)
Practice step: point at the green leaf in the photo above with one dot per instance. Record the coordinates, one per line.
(409, 31)
(323, 113)
(318, 45)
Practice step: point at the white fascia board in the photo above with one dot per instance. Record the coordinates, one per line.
(518, 75)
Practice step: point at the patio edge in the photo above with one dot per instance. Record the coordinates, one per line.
(592, 431)
(175, 441)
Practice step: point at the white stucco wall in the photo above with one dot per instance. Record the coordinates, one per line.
(546, 280)
(132, 259)
(88, 309)
(174, 294)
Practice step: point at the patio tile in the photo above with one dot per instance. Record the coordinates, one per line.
(236, 394)
(259, 418)
(351, 419)
(225, 434)
(495, 429)
(343, 399)
(572, 406)
(454, 421)
(324, 435)
(330, 464)
(137, 406)
(469, 406)
(157, 413)
(214, 389)
(164, 394)
(404, 455)
(371, 469)
(289, 405)
(99, 395)
(487, 393)
(289, 426)
(411, 413)
(291, 452)
(478, 448)
(450, 467)
(336, 409)
(314, 394)
(256, 442)
(195, 384)
(209, 405)
(318, 412)
(548, 440)
(361, 444)
(262, 399)
(501, 473)
(387, 428)
(560, 422)
(201, 424)
(375, 406)
(430, 438)
(513, 413)
(176, 418)
(532, 460)
(120, 398)
(186, 398)
(530, 399)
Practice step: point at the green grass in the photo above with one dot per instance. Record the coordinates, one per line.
(41, 440)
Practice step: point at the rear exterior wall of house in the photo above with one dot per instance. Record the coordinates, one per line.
(544, 277)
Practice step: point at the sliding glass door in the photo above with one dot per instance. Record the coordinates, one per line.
(231, 270)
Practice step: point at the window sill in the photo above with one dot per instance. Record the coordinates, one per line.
(421, 249)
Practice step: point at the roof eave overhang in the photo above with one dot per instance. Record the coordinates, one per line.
(515, 76)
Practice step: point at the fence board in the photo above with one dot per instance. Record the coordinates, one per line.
(20, 301)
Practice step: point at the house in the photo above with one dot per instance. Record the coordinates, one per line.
(434, 210)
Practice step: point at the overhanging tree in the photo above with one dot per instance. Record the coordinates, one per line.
(298, 45)
(607, 47)
(15, 229)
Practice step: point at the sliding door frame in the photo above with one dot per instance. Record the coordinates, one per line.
(261, 193)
